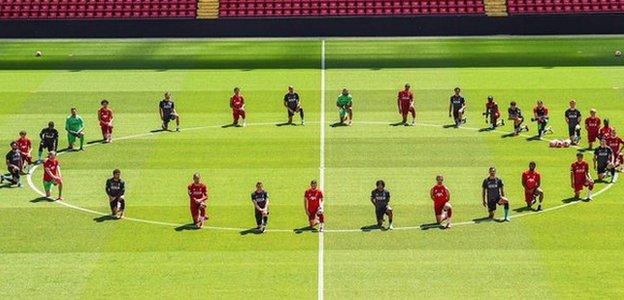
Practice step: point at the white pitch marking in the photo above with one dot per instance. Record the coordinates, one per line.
(35, 189)
(321, 238)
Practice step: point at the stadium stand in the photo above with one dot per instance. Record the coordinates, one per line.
(521, 7)
(97, 9)
(336, 8)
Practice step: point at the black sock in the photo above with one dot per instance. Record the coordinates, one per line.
(612, 172)
(122, 203)
(301, 113)
(265, 220)
(113, 205)
(506, 205)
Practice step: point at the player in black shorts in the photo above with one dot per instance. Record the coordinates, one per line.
(116, 189)
(260, 199)
(380, 197)
(494, 194)
(168, 112)
(14, 166)
(457, 107)
(604, 161)
(515, 114)
(49, 140)
(293, 105)
(540, 115)
(573, 118)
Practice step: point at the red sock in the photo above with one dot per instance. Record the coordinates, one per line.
(449, 213)
(321, 218)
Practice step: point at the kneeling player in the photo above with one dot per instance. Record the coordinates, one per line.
(494, 194)
(580, 177)
(592, 125)
(49, 140)
(457, 107)
(380, 197)
(105, 116)
(198, 194)
(52, 175)
(573, 118)
(405, 101)
(260, 199)
(615, 143)
(24, 146)
(515, 114)
(74, 125)
(532, 181)
(14, 166)
(293, 105)
(540, 115)
(168, 112)
(492, 113)
(345, 107)
(237, 103)
(313, 204)
(441, 205)
(604, 161)
(116, 189)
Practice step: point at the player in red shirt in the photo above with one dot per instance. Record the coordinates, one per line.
(198, 194)
(24, 145)
(615, 143)
(532, 181)
(492, 113)
(52, 175)
(441, 206)
(313, 204)
(105, 116)
(605, 131)
(405, 101)
(237, 103)
(592, 125)
(580, 177)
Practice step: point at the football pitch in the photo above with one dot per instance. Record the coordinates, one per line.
(573, 249)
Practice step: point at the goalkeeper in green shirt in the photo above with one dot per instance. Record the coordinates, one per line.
(74, 125)
(345, 107)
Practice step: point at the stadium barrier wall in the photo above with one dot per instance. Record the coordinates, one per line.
(315, 27)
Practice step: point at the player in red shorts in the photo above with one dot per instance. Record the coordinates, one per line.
(198, 194)
(24, 145)
(605, 131)
(441, 197)
(105, 116)
(313, 204)
(580, 177)
(592, 125)
(237, 103)
(405, 101)
(492, 113)
(532, 181)
(615, 143)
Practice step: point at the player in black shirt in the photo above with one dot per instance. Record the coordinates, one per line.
(573, 118)
(116, 189)
(515, 114)
(604, 161)
(494, 194)
(14, 166)
(260, 199)
(168, 112)
(293, 105)
(540, 115)
(380, 197)
(49, 140)
(457, 107)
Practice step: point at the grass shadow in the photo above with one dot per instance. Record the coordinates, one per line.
(231, 125)
(158, 130)
(571, 199)
(428, 226)
(105, 218)
(481, 220)
(449, 126)
(339, 124)
(507, 135)
(304, 229)
(369, 228)
(189, 226)
(41, 199)
(250, 231)
(285, 124)
(398, 124)
(534, 138)
(484, 129)
(523, 209)
(96, 142)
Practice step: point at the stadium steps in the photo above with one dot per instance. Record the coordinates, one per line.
(495, 8)
(207, 9)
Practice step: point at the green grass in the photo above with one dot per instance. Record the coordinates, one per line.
(50, 251)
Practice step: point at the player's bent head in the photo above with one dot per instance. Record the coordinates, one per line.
(291, 88)
(13, 145)
(51, 124)
(116, 172)
(513, 103)
(457, 90)
(345, 91)
(579, 155)
(439, 178)
(73, 110)
(492, 170)
(572, 103)
(167, 95)
(52, 154)
(592, 111)
(104, 102)
(22, 133)
(313, 183)
(490, 98)
(407, 86)
(606, 122)
(259, 184)
(196, 176)
(380, 183)
(236, 89)
(532, 165)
